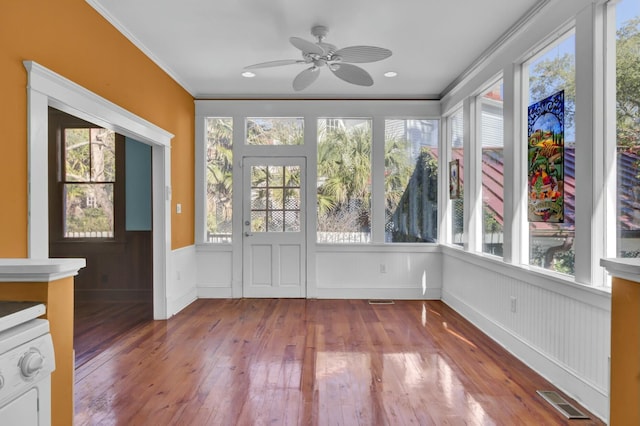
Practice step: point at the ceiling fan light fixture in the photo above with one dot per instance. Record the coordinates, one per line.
(248, 74)
(390, 74)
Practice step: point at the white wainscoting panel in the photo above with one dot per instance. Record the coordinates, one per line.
(181, 283)
(371, 272)
(561, 330)
(214, 272)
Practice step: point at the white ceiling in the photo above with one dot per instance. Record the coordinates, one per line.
(204, 44)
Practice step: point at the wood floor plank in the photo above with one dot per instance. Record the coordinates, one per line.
(308, 362)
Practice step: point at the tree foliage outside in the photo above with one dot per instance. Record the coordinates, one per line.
(343, 185)
(275, 198)
(344, 179)
(491, 230)
(89, 175)
(628, 134)
(628, 84)
(551, 75)
(219, 156)
(275, 131)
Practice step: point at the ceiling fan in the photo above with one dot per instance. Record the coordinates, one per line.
(339, 61)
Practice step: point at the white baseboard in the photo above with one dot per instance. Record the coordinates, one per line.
(591, 397)
(341, 293)
(214, 292)
(379, 293)
(176, 305)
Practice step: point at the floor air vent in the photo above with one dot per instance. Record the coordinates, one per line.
(381, 302)
(568, 410)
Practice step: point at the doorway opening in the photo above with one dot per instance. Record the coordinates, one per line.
(100, 198)
(46, 88)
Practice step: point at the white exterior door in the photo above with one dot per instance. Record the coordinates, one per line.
(273, 237)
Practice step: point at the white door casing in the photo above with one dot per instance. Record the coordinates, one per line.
(46, 88)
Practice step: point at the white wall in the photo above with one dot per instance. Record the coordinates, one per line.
(378, 272)
(214, 269)
(181, 283)
(411, 272)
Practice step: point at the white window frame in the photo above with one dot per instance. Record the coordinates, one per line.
(595, 177)
(446, 202)
(557, 37)
(477, 134)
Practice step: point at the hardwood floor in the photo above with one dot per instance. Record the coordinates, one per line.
(317, 362)
(98, 324)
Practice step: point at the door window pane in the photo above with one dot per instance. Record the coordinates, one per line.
(411, 180)
(275, 131)
(628, 126)
(274, 207)
(219, 179)
(551, 244)
(344, 180)
(492, 169)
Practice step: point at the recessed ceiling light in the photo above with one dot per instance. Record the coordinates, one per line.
(248, 74)
(390, 74)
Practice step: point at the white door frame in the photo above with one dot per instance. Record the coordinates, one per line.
(46, 88)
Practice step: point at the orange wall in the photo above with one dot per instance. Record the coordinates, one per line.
(71, 39)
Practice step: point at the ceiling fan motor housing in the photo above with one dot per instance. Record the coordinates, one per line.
(319, 31)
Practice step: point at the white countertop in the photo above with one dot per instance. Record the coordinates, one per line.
(39, 270)
(626, 268)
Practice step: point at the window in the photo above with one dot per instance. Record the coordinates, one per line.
(344, 180)
(492, 169)
(88, 177)
(219, 152)
(551, 244)
(411, 180)
(275, 131)
(456, 187)
(627, 14)
(275, 198)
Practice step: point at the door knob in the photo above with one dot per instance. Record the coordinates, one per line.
(248, 234)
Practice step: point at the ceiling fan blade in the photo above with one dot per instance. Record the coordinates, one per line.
(361, 54)
(274, 64)
(306, 46)
(351, 74)
(305, 78)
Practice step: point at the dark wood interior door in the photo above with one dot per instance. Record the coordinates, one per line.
(87, 212)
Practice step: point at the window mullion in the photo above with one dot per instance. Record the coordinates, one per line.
(515, 235)
(588, 212)
(472, 178)
(377, 181)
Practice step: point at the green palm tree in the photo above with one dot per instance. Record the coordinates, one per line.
(397, 171)
(219, 174)
(344, 170)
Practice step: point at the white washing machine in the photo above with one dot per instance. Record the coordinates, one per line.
(26, 363)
